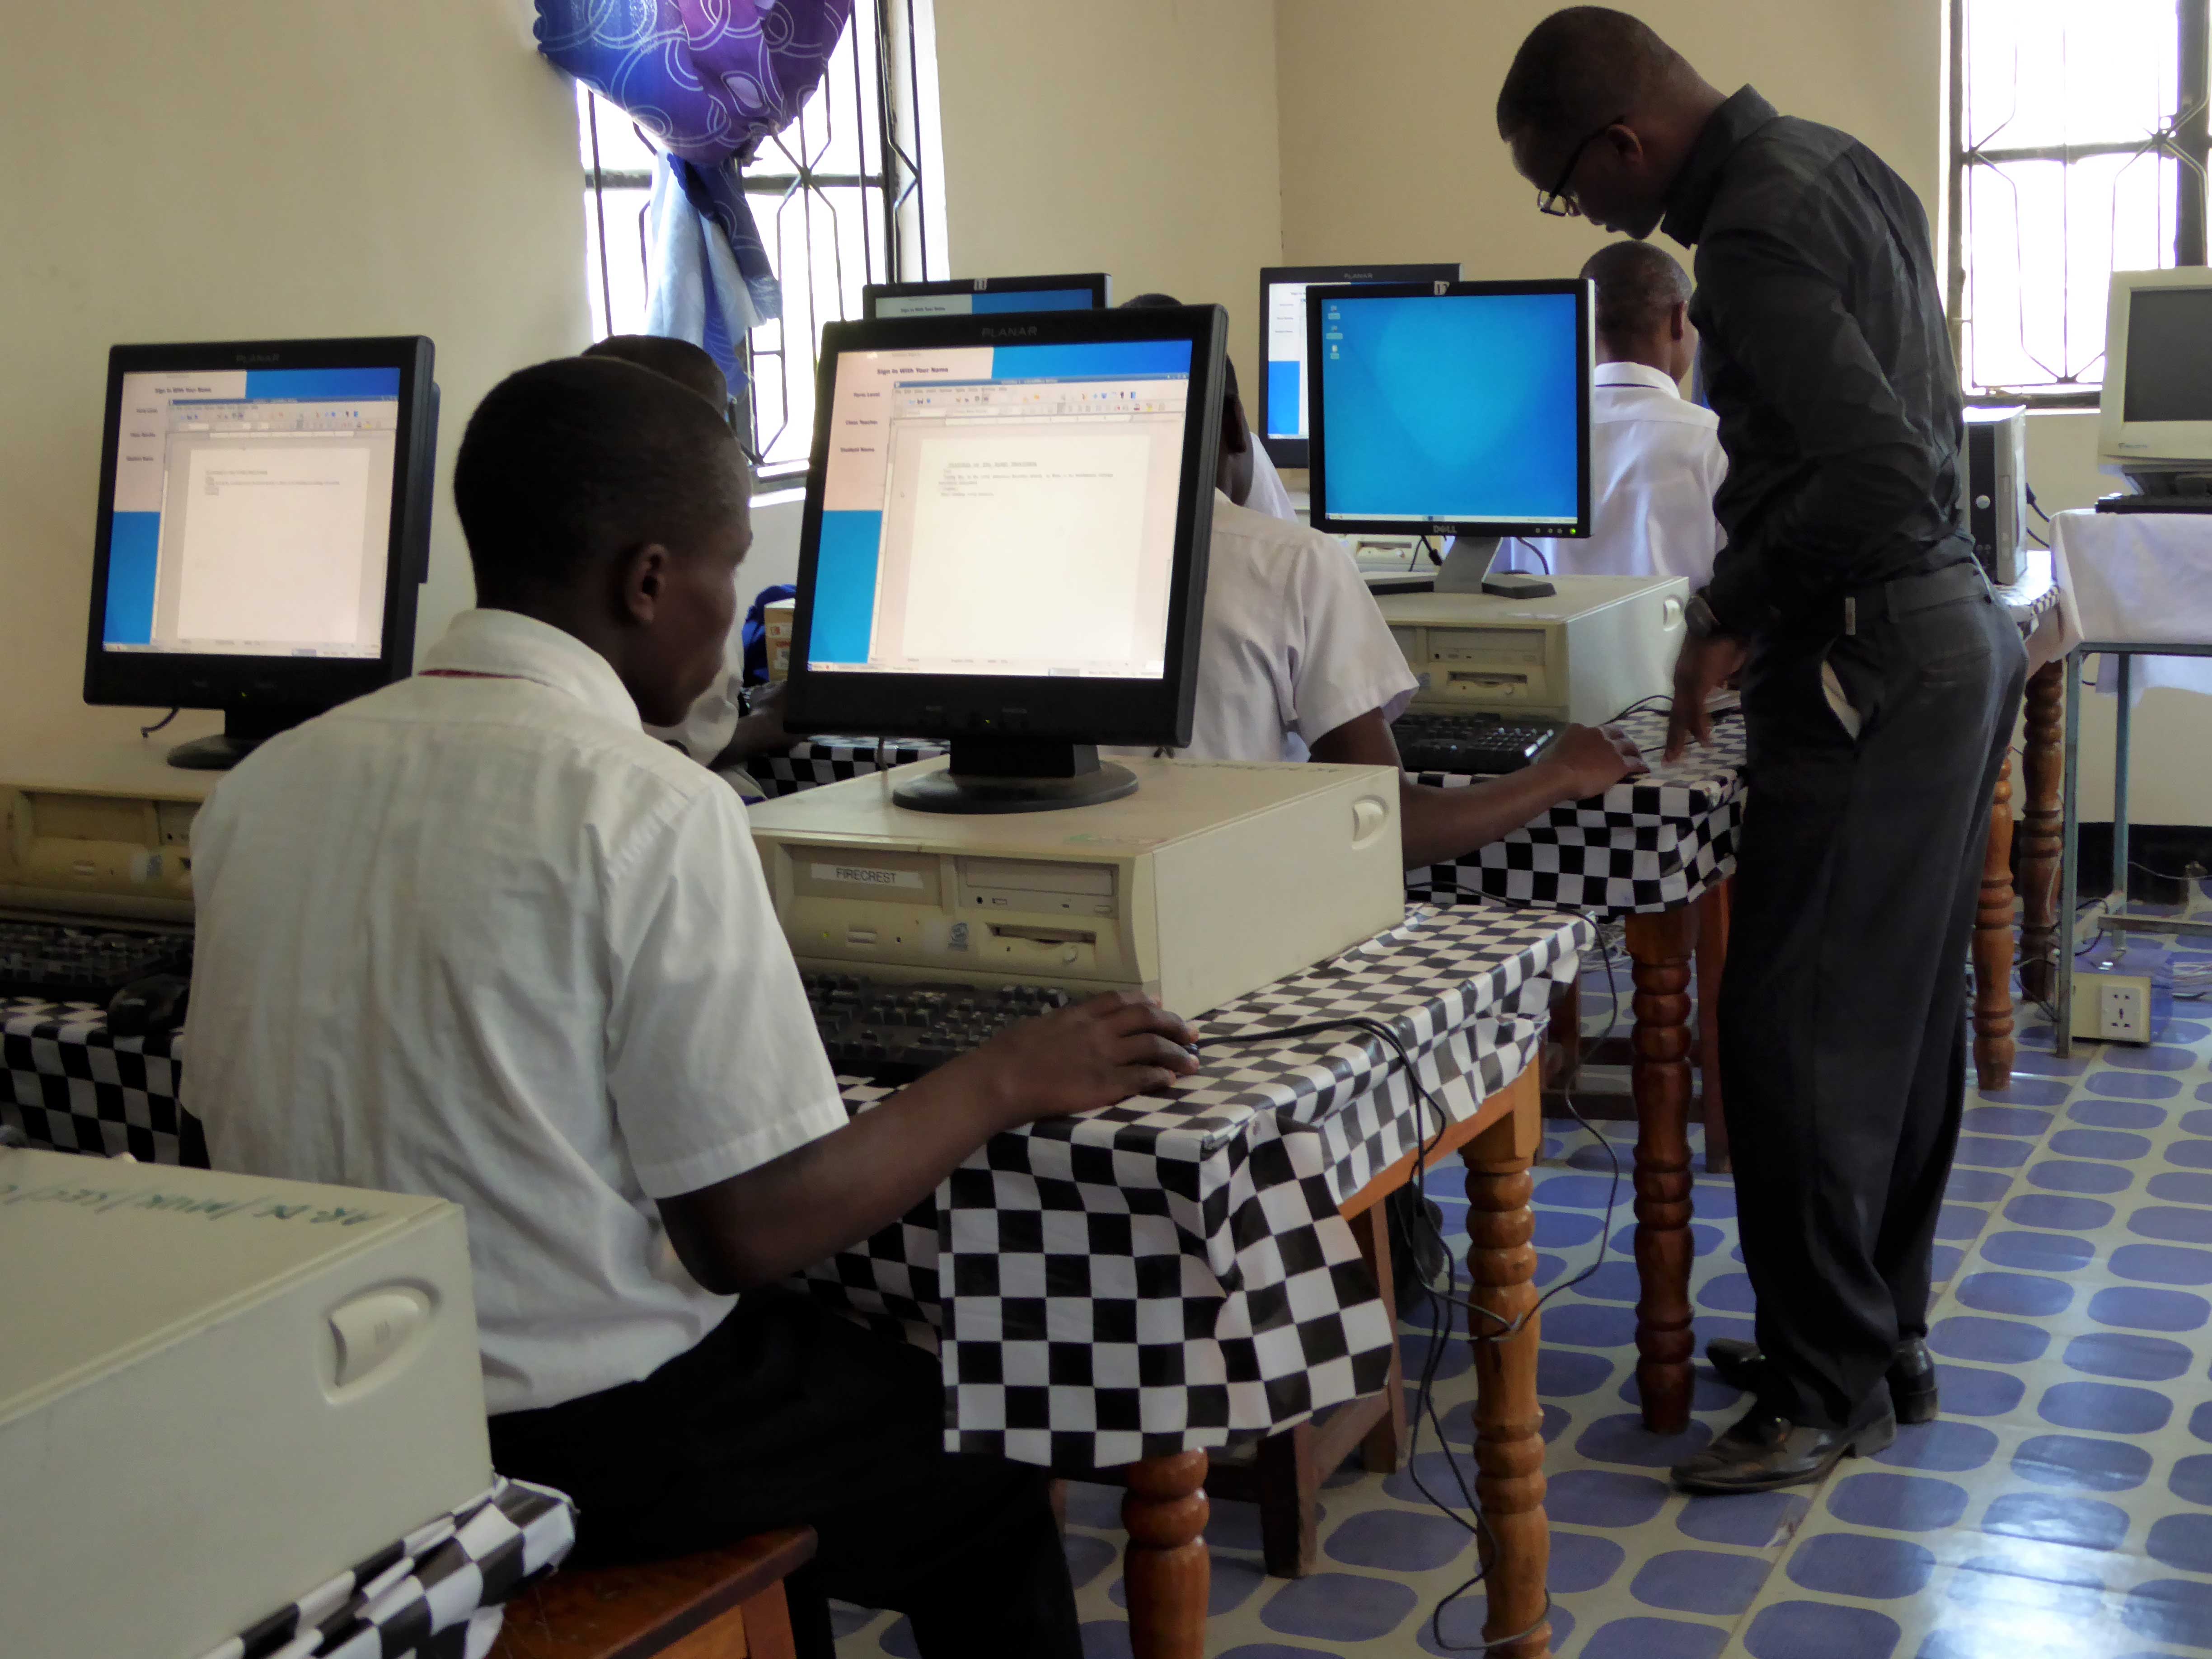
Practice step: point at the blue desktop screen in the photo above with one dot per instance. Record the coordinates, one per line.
(1453, 408)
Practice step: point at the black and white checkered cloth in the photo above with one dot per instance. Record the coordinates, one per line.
(1174, 1273)
(814, 760)
(436, 1594)
(1650, 843)
(1171, 1273)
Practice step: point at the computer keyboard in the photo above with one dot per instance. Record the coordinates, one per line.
(895, 1032)
(70, 962)
(1484, 745)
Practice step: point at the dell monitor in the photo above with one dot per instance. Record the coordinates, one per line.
(1284, 384)
(1459, 409)
(984, 296)
(1004, 544)
(2156, 420)
(265, 521)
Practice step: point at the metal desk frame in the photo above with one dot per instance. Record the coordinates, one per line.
(2115, 916)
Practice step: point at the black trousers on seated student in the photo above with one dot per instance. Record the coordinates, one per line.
(786, 1415)
(1843, 1008)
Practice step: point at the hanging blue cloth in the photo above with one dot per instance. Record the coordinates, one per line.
(709, 82)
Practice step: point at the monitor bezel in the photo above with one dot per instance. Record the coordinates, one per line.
(1049, 708)
(1295, 452)
(1585, 294)
(2155, 445)
(244, 684)
(1100, 284)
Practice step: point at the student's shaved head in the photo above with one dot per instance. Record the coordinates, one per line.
(1638, 286)
(574, 461)
(1582, 68)
(680, 360)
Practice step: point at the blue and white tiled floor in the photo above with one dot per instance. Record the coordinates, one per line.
(2061, 1509)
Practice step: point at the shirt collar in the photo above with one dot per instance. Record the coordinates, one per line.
(1692, 197)
(511, 646)
(1636, 374)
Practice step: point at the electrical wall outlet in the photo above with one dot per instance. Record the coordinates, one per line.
(2112, 1008)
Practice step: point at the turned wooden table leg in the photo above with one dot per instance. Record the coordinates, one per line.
(1993, 1044)
(2043, 766)
(1659, 949)
(1712, 909)
(1509, 1419)
(1165, 1570)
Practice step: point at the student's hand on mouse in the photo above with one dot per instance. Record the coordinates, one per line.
(1078, 1059)
(1595, 758)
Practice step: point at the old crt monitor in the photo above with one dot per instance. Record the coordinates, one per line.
(265, 521)
(1005, 543)
(980, 296)
(1283, 343)
(2156, 420)
(1460, 409)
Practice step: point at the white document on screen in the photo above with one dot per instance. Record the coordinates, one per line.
(272, 543)
(1027, 537)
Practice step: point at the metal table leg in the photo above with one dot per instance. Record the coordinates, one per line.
(2068, 852)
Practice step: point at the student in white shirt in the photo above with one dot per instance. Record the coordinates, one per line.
(723, 729)
(1296, 662)
(476, 935)
(1655, 456)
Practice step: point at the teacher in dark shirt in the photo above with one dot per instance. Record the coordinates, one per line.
(1881, 683)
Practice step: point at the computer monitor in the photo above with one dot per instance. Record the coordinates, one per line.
(1462, 409)
(265, 521)
(2155, 420)
(1005, 543)
(1285, 384)
(979, 296)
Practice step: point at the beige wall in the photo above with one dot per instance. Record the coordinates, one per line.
(258, 169)
(1137, 138)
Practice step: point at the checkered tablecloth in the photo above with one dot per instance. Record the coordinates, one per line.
(1174, 1273)
(1652, 843)
(814, 760)
(436, 1594)
(1171, 1273)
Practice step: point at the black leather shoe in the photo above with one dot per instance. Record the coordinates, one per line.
(1762, 1450)
(1911, 1374)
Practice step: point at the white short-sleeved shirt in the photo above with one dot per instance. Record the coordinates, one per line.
(1293, 646)
(1656, 462)
(477, 936)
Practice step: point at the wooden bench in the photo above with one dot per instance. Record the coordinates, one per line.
(722, 1604)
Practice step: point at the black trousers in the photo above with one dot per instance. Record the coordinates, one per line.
(1843, 1007)
(786, 1415)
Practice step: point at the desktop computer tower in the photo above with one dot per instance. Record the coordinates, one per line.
(1597, 646)
(1214, 878)
(1996, 489)
(216, 1393)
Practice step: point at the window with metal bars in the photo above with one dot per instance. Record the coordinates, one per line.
(2078, 148)
(841, 196)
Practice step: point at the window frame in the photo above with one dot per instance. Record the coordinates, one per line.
(2186, 138)
(904, 141)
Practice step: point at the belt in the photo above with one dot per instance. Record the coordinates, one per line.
(1848, 613)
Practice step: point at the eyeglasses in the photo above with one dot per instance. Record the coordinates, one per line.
(1559, 201)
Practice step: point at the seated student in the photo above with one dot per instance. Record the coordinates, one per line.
(722, 730)
(1655, 456)
(476, 935)
(1295, 662)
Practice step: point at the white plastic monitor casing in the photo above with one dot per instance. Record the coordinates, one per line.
(216, 1393)
(2145, 445)
(1214, 878)
(1585, 654)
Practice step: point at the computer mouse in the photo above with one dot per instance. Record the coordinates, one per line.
(148, 1006)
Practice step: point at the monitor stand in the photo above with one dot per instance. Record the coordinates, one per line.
(244, 731)
(1016, 775)
(1466, 570)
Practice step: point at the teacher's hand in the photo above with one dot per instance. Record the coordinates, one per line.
(1703, 668)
